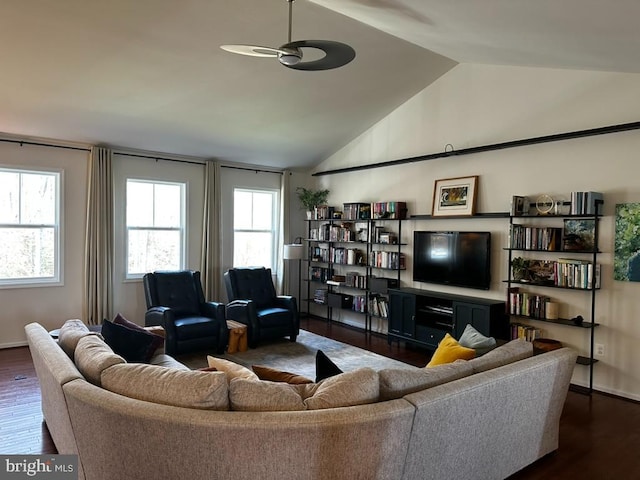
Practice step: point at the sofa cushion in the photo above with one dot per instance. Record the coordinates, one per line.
(357, 387)
(398, 382)
(164, 360)
(133, 345)
(92, 356)
(263, 396)
(344, 390)
(273, 375)
(70, 333)
(508, 353)
(472, 338)
(449, 350)
(168, 386)
(233, 370)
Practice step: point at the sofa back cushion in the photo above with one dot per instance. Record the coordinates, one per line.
(396, 383)
(92, 356)
(70, 333)
(357, 387)
(508, 353)
(168, 386)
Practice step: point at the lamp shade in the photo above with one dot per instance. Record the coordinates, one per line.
(293, 251)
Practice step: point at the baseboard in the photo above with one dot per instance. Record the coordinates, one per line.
(13, 345)
(579, 388)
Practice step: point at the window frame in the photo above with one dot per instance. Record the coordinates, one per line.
(275, 223)
(182, 229)
(58, 228)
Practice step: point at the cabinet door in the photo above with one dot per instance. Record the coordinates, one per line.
(402, 312)
(478, 316)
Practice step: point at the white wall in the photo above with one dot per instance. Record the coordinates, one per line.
(475, 105)
(50, 305)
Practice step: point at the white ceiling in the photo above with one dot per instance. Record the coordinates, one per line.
(148, 74)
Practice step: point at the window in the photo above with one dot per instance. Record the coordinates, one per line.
(155, 226)
(254, 227)
(29, 227)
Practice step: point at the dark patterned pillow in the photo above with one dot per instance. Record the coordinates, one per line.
(325, 368)
(134, 345)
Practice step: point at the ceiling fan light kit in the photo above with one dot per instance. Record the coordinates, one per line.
(336, 54)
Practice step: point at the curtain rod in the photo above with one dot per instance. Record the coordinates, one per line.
(488, 148)
(156, 158)
(251, 169)
(43, 144)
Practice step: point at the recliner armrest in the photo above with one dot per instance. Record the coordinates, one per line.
(213, 310)
(287, 301)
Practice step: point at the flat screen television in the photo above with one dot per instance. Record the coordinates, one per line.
(461, 259)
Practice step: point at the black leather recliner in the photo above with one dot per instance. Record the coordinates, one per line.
(253, 301)
(175, 301)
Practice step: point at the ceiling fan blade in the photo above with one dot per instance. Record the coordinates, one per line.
(336, 54)
(253, 50)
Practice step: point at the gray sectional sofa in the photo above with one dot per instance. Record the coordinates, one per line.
(485, 418)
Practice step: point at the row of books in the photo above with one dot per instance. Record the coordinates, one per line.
(584, 203)
(346, 256)
(379, 306)
(535, 238)
(528, 304)
(574, 273)
(382, 259)
(526, 332)
(333, 233)
(392, 210)
(355, 280)
(320, 274)
(380, 235)
(320, 295)
(359, 303)
(356, 211)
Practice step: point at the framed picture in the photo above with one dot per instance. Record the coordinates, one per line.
(578, 235)
(455, 197)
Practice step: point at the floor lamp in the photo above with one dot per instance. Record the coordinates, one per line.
(293, 251)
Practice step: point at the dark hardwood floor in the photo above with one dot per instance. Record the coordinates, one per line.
(599, 434)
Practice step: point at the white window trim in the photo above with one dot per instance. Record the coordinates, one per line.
(275, 215)
(182, 229)
(58, 277)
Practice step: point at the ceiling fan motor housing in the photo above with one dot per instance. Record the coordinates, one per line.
(293, 56)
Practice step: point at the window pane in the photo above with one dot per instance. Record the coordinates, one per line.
(262, 210)
(252, 249)
(27, 253)
(38, 205)
(242, 210)
(153, 250)
(139, 204)
(9, 197)
(168, 207)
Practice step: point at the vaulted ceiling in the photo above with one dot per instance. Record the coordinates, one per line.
(149, 74)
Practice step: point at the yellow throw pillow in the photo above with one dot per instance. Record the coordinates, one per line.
(233, 370)
(449, 350)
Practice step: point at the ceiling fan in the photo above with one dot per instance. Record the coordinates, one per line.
(290, 54)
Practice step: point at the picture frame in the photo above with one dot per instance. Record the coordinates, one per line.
(455, 197)
(579, 235)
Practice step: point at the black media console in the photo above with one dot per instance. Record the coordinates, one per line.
(423, 317)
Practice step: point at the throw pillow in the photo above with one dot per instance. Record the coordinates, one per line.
(158, 340)
(357, 387)
(168, 386)
(233, 370)
(273, 375)
(325, 368)
(472, 338)
(134, 346)
(449, 350)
